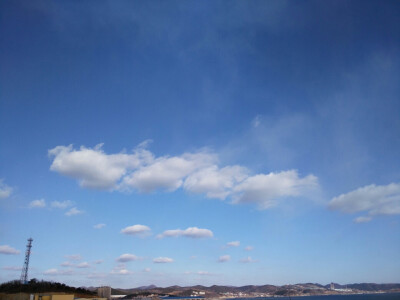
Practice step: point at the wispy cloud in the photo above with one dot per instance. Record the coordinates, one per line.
(233, 244)
(364, 219)
(99, 226)
(256, 121)
(40, 203)
(191, 232)
(224, 258)
(61, 204)
(5, 190)
(249, 248)
(371, 199)
(74, 257)
(98, 262)
(247, 260)
(67, 264)
(56, 272)
(6, 249)
(73, 212)
(201, 273)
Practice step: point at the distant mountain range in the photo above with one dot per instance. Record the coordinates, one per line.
(292, 289)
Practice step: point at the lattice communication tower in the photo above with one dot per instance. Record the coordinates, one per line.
(24, 274)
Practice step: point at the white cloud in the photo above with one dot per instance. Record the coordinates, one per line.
(61, 204)
(121, 272)
(92, 167)
(372, 199)
(224, 258)
(138, 230)
(37, 203)
(83, 265)
(362, 219)
(196, 172)
(6, 249)
(74, 257)
(233, 244)
(248, 259)
(73, 212)
(191, 232)
(249, 248)
(5, 190)
(215, 182)
(99, 226)
(52, 272)
(265, 189)
(146, 270)
(162, 260)
(128, 257)
(167, 173)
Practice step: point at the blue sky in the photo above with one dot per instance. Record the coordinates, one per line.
(200, 142)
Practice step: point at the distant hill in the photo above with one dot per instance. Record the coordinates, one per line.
(284, 290)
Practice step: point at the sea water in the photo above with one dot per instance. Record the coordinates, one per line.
(389, 296)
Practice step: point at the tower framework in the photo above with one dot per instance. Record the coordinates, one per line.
(24, 274)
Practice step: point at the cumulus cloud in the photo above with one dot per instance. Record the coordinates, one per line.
(167, 172)
(162, 260)
(233, 244)
(215, 182)
(371, 199)
(137, 230)
(224, 258)
(61, 204)
(191, 232)
(265, 189)
(6, 249)
(73, 212)
(128, 257)
(197, 172)
(37, 203)
(99, 226)
(5, 190)
(92, 167)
